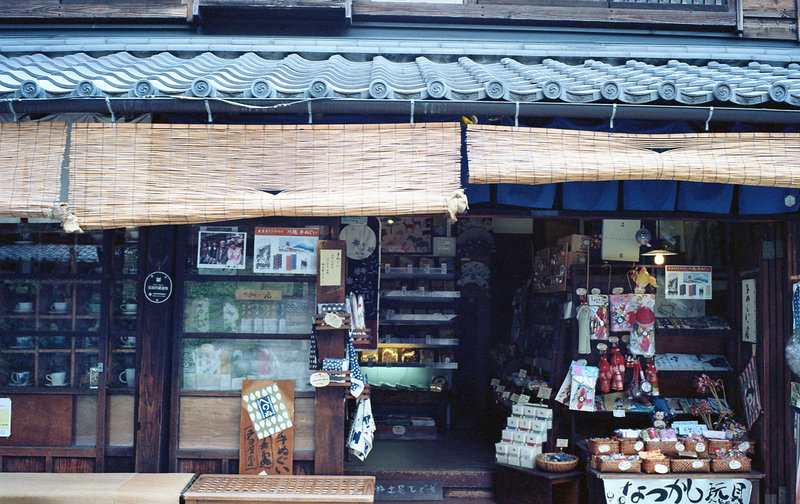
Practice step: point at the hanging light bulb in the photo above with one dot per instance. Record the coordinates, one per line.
(659, 259)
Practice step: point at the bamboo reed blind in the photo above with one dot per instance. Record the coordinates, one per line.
(31, 157)
(501, 154)
(151, 174)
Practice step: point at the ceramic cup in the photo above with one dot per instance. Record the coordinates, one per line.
(60, 306)
(128, 308)
(128, 341)
(24, 341)
(23, 306)
(128, 377)
(57, 379)
(20, 378)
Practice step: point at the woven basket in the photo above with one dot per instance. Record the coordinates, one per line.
(626, 466)
(668, 448)
(731, 465)
(602, 446)
(550, 466)
(630, 446)
(659, 466)
(696, 446)
(749, 447)
(690, 465)
(716, 444)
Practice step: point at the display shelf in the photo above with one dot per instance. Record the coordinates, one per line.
(433, 365)
(421, 343)
(419, 319)
(417, 296)
(417, 273)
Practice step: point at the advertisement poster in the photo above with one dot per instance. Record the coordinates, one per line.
(287, 251)
(221, 248)
(688, 282)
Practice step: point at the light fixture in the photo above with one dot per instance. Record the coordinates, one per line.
(660, 248)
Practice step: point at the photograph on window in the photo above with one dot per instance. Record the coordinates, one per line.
(221, 248)
(287, 251)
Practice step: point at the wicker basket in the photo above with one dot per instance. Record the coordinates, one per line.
(690, 465)
(630, 446)
(749, 447)
(668, 448)
(626, 466)
(696, 446)
(602, 446)
(657, 466)
(717, 444)
(731, 465)
(550, 466)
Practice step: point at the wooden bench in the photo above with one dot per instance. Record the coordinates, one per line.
(228, 488)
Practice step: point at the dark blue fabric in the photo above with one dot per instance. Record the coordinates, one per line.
(652, 195)
(590, 195)
(705, 197)
(477, 193)
(766, 200)
(530, 196)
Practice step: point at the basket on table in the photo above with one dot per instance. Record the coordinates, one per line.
(626, 466)
(748, 447)
(630, 446)
(556, 466)
(700, 465)
(738, 464)
(696, 446)
(602, 446)
(655, 465)
(719, 444)
(668, 448)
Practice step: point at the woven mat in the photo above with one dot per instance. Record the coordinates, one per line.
(96, 488)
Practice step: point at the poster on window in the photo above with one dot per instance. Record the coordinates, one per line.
(749, 310)
(221, 248)
(678, 490)
(285, 251)
(687, 282)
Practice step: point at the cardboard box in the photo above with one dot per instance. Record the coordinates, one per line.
(575, 242)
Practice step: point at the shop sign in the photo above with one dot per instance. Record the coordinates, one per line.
(5, 417)
(687, 282)
(678, 490)
(408, 490)
(157, 287)
(258, 295)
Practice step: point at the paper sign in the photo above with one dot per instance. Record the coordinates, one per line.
(506, 394)
(688, 282)
(524, 398)
(515, 397)
(706, 490)
(500, 388)
(523, 373)
(544, 393)
(330, 267)
(619, 240)
(495, 382)
(5, 417)
(749, 310)
(562, 443)
(258, 295)
(619, 413)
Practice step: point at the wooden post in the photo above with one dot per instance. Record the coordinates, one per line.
(329, 406)
(154, 337)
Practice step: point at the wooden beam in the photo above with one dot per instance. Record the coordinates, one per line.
(92, 9)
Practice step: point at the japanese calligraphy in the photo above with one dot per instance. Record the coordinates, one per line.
(677, 491)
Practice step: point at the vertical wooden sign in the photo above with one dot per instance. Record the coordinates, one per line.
(331, 264)
(268, 412)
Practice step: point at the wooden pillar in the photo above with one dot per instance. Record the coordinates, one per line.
(329, 405)
(154, 337)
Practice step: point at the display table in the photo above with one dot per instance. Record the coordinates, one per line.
(269, 489)
(518, 485)
(96, 488)
(676, 491)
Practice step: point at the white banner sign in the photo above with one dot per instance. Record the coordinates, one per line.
(677, 491)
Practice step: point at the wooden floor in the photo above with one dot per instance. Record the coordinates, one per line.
(463, 466)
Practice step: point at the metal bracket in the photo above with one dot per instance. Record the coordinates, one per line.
(710, 114)
(613, 115)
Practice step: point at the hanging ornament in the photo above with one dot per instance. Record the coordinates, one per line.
(604, 375)
(643, 237)
(584, 315)
(617, 369)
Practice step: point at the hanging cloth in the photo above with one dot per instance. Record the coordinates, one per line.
(357, 381)
(362, 431)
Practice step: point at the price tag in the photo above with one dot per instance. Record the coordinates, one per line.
(506, 394)
(500, 388)
(514, 397)
(624, 465)
(523, 373)
(700, 447)
(735, 464)
(544, 392)
(661, 469)
(562, 443)
(697, 464)
(604, 448)
(524, 398)
(398, 430)
(680, 447)
(320, 379)
(495, 382)
(619, 413)
(638, 446)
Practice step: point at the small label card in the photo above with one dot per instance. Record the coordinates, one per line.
(544, 392)
(524, 398)
(523, 373)
(514, 397)
(562, 443)
(619, 413)
(506, 394)
(495, 382)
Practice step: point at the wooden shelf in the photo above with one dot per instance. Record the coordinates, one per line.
(422, 343)
(416, 296)
(433, 365)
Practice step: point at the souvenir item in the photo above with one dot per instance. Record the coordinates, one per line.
(362, 431)
(604, 374)
(583, 315)
(598, 320)
(652, 377)
(617, 369)
(620, 306)
(581, 396)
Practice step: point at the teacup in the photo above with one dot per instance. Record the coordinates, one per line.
(128, 341)
(57, 379)
(24, 341)
(128, 308)
(59, 306)
(128, 377)
(20, 378)
(24, 306)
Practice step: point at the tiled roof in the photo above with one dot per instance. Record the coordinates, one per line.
(250, 75)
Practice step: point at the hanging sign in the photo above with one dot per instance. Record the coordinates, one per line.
(677, 490)
(157, 287)
(687, 282)
(5, 417)
(749, 310)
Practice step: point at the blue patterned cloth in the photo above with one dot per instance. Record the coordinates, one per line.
(357, 380)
